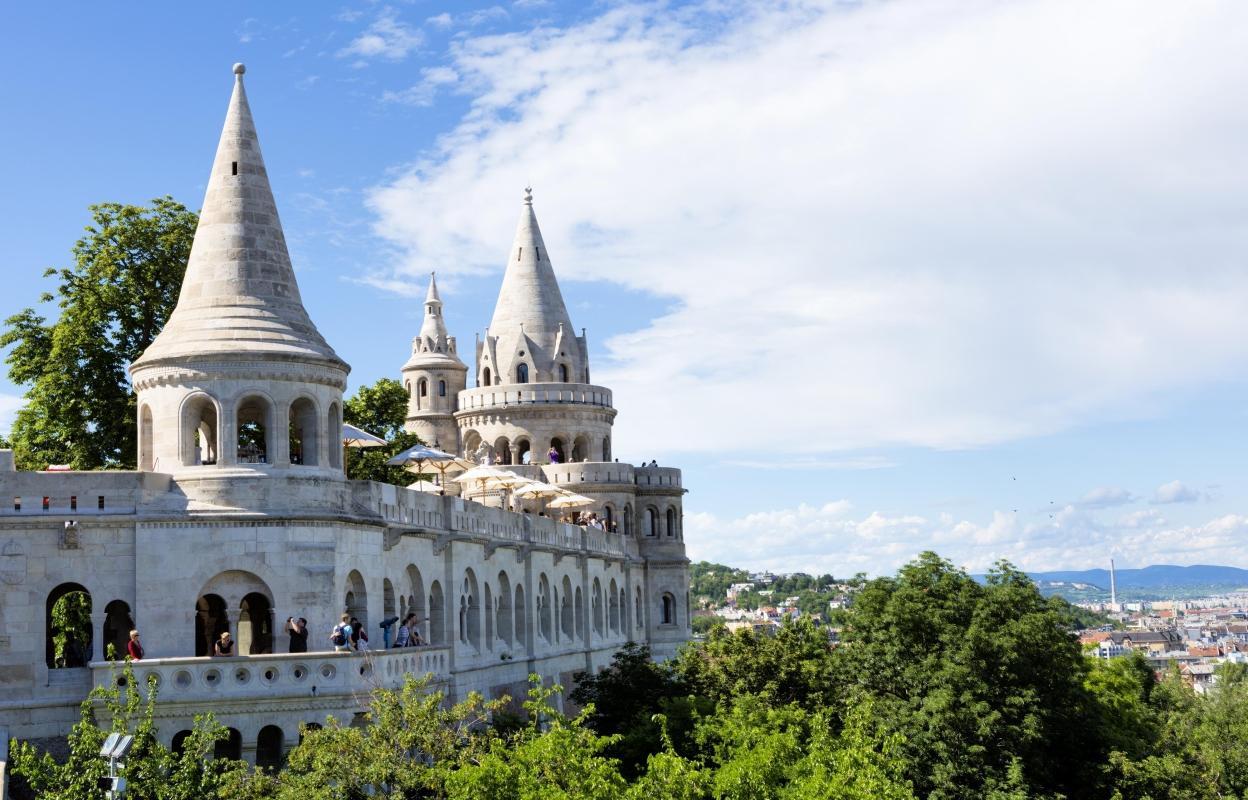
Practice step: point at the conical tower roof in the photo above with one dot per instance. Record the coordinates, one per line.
(433, 326)
(239, 297)
(530, 297)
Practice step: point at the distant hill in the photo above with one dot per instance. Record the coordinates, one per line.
(1158, 582)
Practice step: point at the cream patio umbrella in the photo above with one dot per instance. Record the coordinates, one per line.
(536, 490)
(416, 457)
(485, 476)
(570, 500)
(357, 437)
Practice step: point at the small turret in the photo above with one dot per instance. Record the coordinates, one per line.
(433, 377)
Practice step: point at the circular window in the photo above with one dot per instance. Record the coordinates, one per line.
(299, 672)
(270, 675)
(152, 678)
(328, 671)
(366, 669)
(212, 677)
(182, 679)
(242, 675)
(522, 354)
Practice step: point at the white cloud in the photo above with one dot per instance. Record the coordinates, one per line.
(1176, 492)
(9, 404)
(810, 463)
(943, 224)
(387, 37)
(423, 93)
(249, 31)
(1105, 497)
(443, 20)
(831, 538)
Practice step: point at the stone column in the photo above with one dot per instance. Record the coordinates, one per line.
(99, 646)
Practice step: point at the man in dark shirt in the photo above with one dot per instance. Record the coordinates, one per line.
(298, 630)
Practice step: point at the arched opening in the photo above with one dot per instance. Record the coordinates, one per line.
(671, 522)
(269, 749)
(608, 517)
(117, 626)
(567, 618)
(544, 609)
(230, 747)
(145, 438)
(606, 448)
(304, 442)
(423, 387)
(355, 600)
(503, 616)
(597, 612)
(563, 373)
(580, 614)
(255, 625)
(524, 451)
(485, 377)
(441, 388)
(68, 627)
(652, 522)
(472, 441)
(333, 436)
(669, 609)
(580, 449)
(521, 619)
(628, 520)
(637, 616)
(416, 601)
(199, 431)
(254, 427)
(502, 450)
(437, 614)
(470, 611)
(522, 373)
(179, 741)
(613, 608)
(387, 599)
(211, 621)
(487, 606)
(556, 444)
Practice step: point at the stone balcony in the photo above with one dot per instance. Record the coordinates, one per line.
(211, 681)
(490, 397)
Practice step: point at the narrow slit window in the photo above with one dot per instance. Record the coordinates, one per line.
(233, 167)
(17, 504)
(46, 503)
(538, 251)
(518, 252)
(101, 502)
(73, 502)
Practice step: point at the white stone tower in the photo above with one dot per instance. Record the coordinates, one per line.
(434, 376)
(239, 382)
(533, 391)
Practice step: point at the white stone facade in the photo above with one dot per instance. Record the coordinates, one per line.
(240, 515)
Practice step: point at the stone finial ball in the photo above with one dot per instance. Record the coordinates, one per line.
(240, 68)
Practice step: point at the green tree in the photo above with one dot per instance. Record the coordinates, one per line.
(380, 409)
(150, 768)
(71, 629)
(80, 409)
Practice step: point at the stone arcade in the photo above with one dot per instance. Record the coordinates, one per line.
(240, 516)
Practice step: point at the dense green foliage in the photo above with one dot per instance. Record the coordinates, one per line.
(709, 584)
(941, 686)
(71, 629)
(380, 409)
(124, 282)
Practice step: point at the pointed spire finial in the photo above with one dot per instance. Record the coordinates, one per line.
(528, 195)
(240, 68)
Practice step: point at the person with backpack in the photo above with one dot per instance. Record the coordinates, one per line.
(340, 636)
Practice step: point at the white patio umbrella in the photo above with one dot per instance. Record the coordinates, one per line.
(536, 490)
(357, 437)
(571, 500)
(423, 485)
(484, 476)
(417, 456)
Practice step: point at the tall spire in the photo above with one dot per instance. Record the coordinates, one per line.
(434, 327)
(530, 297)
(239, 296)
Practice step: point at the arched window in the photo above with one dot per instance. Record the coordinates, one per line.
(524, 451)
(211, 621)
(199, 431)
(606, 448)
(628, 520)
(117, 626)
(652, 522)
(580, 614)
(522, 373)
(637, 617)
(470, 611)
(179, 741)
(566, 619)
(613, 607)
(231, 747)
(671, 522)
(437, 614)
(596, 609)
(356, 598)
(269, 749)
(441, 388)
(669, 609)
(544, 609)
(503, 618)
(563, 373)
(424, 388)
(304, 442)
(68, 626)
(254, 428)
(387, 598)
(521, 629)
(485, 377)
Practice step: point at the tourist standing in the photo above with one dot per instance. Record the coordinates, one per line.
(224, 646)
(133, 648)
(553, 455)
(359, 639)
(298, 630)
(340, 636)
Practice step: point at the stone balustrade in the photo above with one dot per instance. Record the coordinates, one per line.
(281, 675)
(656, 477)
(484, 397)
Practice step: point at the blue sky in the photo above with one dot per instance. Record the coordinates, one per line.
(882, 277)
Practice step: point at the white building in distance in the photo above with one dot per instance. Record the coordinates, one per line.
(240, 516)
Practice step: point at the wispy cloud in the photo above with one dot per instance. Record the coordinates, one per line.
(1176, 492)
(799, 464)
(387, 37)
(423, 93)
(1105, 497)
(248, 31)
(910, 222)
